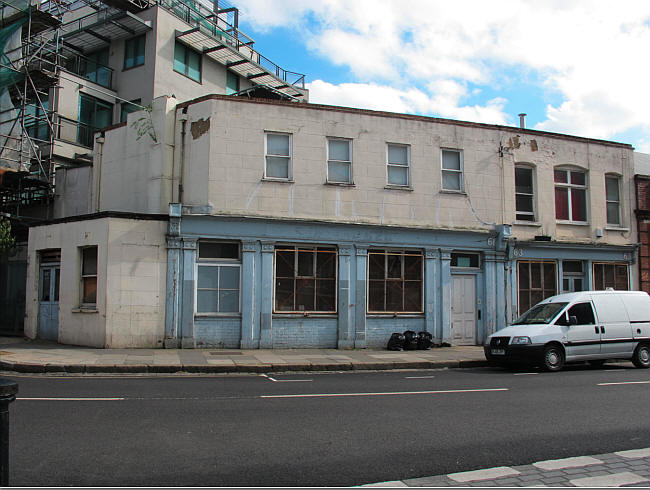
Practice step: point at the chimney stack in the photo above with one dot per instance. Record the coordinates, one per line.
(522, 120)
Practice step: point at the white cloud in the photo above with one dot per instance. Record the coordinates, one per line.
(418, 55)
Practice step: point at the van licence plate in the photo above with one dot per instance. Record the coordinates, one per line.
(498, 352)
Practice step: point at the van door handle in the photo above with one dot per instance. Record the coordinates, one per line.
(602, 329)
(596, 329)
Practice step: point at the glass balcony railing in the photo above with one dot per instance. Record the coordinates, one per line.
(89, 69)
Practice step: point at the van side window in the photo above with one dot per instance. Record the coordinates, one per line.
(583, 312)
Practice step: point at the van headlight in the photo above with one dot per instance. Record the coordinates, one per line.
(520, 341)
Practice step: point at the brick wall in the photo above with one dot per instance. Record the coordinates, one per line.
(222, 333)
(643, 221)
(305, 333)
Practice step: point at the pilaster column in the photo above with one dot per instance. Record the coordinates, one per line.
(345, 311)
(266, 315)
(502, 315)
(187, 303)
(445, 288)
(491, 291)
(360, 303)
(172, 294)
(431, 285)
(250, 322)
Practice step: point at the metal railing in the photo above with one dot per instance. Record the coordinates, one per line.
(75, 132)
(87, 68)
(209, 23)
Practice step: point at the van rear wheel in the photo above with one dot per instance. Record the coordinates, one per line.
(553, 358)
(641, 356)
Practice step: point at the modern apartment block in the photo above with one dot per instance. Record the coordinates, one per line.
(69, 68)
(243, 216)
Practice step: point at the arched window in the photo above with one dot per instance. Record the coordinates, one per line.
(570, 194)
(524, 193)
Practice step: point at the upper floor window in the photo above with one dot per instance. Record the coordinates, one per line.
(277, 153)
(232, 82)
(218, 274)
(134, 52)
(94, 114)
(524, 193)
(305, 279)
(399, 162)
(94, 67)
(187, 62)
(339, 160)
(395, 281)
(452, 170)
(570, 195)
(127, 108)
(613, 198)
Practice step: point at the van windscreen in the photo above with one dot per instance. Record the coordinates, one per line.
(542, 313)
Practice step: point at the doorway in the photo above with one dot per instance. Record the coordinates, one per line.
(48, 295)
(463, 309)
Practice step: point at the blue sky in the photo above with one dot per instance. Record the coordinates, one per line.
(574, 66)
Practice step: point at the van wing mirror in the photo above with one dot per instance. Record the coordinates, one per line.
(573, 320)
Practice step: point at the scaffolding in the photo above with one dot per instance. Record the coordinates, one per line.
(42, 40)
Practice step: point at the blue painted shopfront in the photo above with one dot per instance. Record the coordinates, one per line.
(256, 325)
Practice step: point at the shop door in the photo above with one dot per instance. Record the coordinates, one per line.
(463, 309)
(48, 306)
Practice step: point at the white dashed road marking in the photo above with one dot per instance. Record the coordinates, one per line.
(559, 464)
(625, 383)
(419, 377)
(487, 474)
(70, 399)
(615, 480)
(525, 374)
(315, 395)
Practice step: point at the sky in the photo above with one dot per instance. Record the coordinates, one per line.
(578, 67)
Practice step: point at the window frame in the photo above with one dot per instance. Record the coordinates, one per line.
(596, 287)
(533, 213)
(219, 262)
(609, 201)
(315, 250)
(129, 42)
(407, 166)
(530, 289)
(289, 158)
(459, 172)
(86, 276)
(350, 180)
(229, 74)
(458, 254)
(124, 112)
(186, 64)
(402, 253)
(570, 187)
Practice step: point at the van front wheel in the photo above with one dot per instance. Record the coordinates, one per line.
(553, 358)
(641, 357)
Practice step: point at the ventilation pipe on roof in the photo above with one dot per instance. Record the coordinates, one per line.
(522, 120)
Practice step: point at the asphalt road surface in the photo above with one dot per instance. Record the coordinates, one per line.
(313, 429)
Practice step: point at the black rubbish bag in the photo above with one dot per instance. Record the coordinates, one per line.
(396, 342)
(425, 341)
(410, 340)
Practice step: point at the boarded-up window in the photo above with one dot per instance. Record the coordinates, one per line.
(305, 279)
(395, 281)
(537, 281)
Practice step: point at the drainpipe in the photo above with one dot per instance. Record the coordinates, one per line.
(183, 119)
(98, 169)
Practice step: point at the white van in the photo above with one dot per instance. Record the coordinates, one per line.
(587, 326)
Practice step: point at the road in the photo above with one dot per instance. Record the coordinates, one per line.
(313, 429)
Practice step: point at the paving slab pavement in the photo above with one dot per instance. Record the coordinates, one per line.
(620, 469)
(37, 356)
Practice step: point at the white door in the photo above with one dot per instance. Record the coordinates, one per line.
(463, 309)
